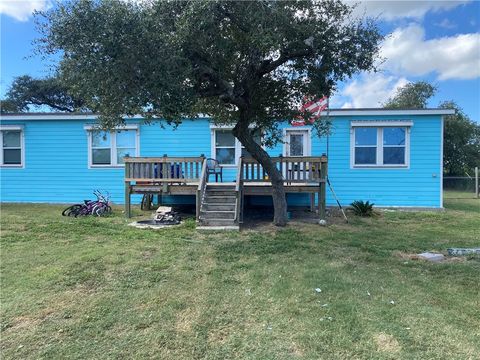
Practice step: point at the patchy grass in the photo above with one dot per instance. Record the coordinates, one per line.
(97, 288)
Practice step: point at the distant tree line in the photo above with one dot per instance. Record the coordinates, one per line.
(461, 146)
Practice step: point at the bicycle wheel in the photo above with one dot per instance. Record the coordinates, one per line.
(71, 210)
(83, 211)
(100, 209)
(108, 210)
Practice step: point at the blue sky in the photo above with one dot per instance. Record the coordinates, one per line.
(436, 41)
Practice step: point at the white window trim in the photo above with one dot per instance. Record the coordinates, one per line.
(298, 128)
(238, 145)
(113, 145)
(380, 125)
(383, 123)
(22, 146)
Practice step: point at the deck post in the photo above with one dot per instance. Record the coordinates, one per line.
(322, 192)
(127, 200)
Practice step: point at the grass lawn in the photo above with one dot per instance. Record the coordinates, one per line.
(94, 288)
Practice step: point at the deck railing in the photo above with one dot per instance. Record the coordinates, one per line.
(202, 185)
(163, 169)
(156, 174)
(302, 169)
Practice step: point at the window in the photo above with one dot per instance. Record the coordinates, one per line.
(380, 146)
(227, 148)
(108, 148)
(11, 138)
(394, 146)
(365, 146)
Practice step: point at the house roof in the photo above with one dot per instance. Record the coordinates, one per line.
(333, 112)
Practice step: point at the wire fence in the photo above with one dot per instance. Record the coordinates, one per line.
(461, 187)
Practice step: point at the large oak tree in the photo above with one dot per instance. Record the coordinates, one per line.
(246, 63)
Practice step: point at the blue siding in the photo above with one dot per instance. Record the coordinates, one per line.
(419, 185)
(56, 163)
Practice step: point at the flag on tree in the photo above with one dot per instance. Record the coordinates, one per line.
(313, 108)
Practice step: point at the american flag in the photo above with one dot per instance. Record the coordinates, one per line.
(313, 107)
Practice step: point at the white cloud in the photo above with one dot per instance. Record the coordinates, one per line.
(21, 10)
(395, 9)
(369, 90)
(409, 53)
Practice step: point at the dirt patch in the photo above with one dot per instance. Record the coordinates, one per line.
(147, 254)
(185, 320)
(219, 336)
(386, 343)
(23, 322)
(405, 256)
(261, 218)
(296, 350)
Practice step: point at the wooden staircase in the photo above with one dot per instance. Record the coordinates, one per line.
(218, 207)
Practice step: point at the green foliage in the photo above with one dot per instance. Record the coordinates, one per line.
(241, 62)
(411, 96)
(461, 150)
(362, 208)
(27, 92)
(171, 59)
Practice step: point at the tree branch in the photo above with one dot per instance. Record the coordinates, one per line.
(268, 65)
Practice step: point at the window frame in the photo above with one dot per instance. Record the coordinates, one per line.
(380, 126)
(308, 143)
(20, 129)
(238, 145)
(234, 147)
(113, 145)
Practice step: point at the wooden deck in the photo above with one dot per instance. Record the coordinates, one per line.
(187, 176)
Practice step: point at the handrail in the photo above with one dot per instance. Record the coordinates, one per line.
(239, 174)
(163, 169)
(239, 189)
(203, 180)
(201, 188)
(162, 159)
(298, 169)
(251, 160)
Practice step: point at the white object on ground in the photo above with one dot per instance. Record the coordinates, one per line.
(322, 222)
(434, 257)
(318, 290)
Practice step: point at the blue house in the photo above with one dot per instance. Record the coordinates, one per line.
(391, 157)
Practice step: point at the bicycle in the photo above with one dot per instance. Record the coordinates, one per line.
(99, 207)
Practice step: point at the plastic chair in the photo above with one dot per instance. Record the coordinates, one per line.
(214, 168)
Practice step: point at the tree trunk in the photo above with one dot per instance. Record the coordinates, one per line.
(242, 133)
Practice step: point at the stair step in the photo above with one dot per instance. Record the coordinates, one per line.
(218, 227)
(218, 207)
(219, 199)
(221, 193)
(217, 222)
(217, 215)
(220, 186)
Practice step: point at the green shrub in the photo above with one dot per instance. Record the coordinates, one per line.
(362, 208)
